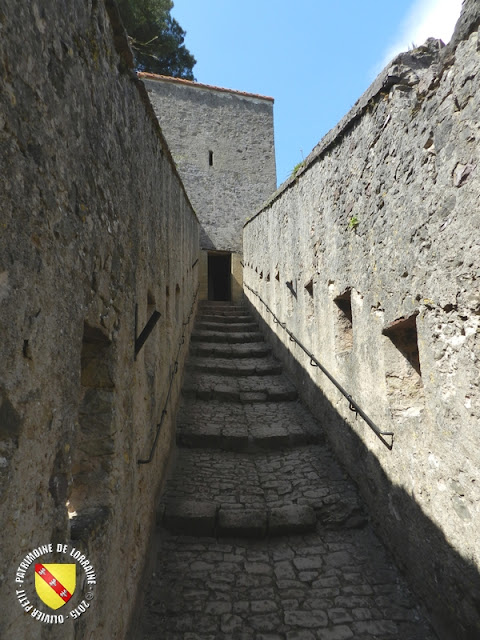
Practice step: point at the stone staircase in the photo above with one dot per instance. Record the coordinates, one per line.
(261, 534)
(252, 458)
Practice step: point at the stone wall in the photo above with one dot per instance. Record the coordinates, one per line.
(95, 223)
(370, 255)
(222, 143)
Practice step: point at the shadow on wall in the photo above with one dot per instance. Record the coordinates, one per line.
(448, 584)
(205, 241)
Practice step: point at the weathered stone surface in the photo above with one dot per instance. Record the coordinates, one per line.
(227, 163)
(242, 180)
(242, 523)
(231, 586)
(303, 581)
(192, 517)
(10, 421)
(92, 212)
(377, 237)
(290, 519)
(266, 480)
(253, 425)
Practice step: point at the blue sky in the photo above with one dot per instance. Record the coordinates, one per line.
(315, 57)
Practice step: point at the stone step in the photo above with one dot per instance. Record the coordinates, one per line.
(246, 389)
(223, 310)
(194, 518)
(236, 367)
(261, 534)
(221, 304)
(236, 319)
(246, 427)
(255, 494)
(225, 350)
(225, 316)
(238, 327)
(231, 338)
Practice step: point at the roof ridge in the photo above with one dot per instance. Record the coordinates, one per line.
(200, 85)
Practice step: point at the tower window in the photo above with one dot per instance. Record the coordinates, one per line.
(210, 158)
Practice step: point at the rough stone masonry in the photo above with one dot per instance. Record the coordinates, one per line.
(377, 238)
(96, 233)
(370, 256)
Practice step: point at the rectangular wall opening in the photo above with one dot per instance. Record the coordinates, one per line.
(93, 454)
(403, 373)
(219, 276)
(343, 322)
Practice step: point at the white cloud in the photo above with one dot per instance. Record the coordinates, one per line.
(426, 19)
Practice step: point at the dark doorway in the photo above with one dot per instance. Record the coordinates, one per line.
(219, 269)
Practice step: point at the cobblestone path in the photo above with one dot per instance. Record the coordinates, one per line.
(261, 535)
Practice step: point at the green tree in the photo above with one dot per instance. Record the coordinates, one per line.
(156, 38)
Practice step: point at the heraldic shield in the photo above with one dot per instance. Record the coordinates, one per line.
(55, 583)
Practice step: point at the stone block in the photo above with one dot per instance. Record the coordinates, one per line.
(291, 519)
(244, 523)
(253, 396)
(226, 393)
(271, 437)
(200, 435)
(235, 438)
(308, 619)
(191, 517)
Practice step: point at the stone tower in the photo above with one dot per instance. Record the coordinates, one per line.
(222, 143)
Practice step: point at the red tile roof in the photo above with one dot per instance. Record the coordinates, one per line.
(154, 76)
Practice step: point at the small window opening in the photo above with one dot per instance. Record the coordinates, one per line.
(150, 350)
(403, 334)
(93, 455)
(150, 304)
(344, 323)
(277, 276)
(210, 158)
(268, 277)
(403, 373)
(177, 304)
(309, 287)
(167, 306)
(292, 287)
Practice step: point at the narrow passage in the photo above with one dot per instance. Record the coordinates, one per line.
(261, 535)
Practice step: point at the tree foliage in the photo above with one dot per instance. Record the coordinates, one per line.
(156, 38)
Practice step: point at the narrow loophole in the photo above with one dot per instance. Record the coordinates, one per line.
(344, 324)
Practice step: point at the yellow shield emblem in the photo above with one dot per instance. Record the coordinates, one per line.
(55, 583)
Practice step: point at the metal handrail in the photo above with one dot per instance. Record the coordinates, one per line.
(172, 376)
(353, 406)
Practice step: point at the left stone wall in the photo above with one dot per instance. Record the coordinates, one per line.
(94, 225)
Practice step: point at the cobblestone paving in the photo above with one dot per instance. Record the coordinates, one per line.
(236, 426)
(289, 553)
(305, 476)
(326, 586)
